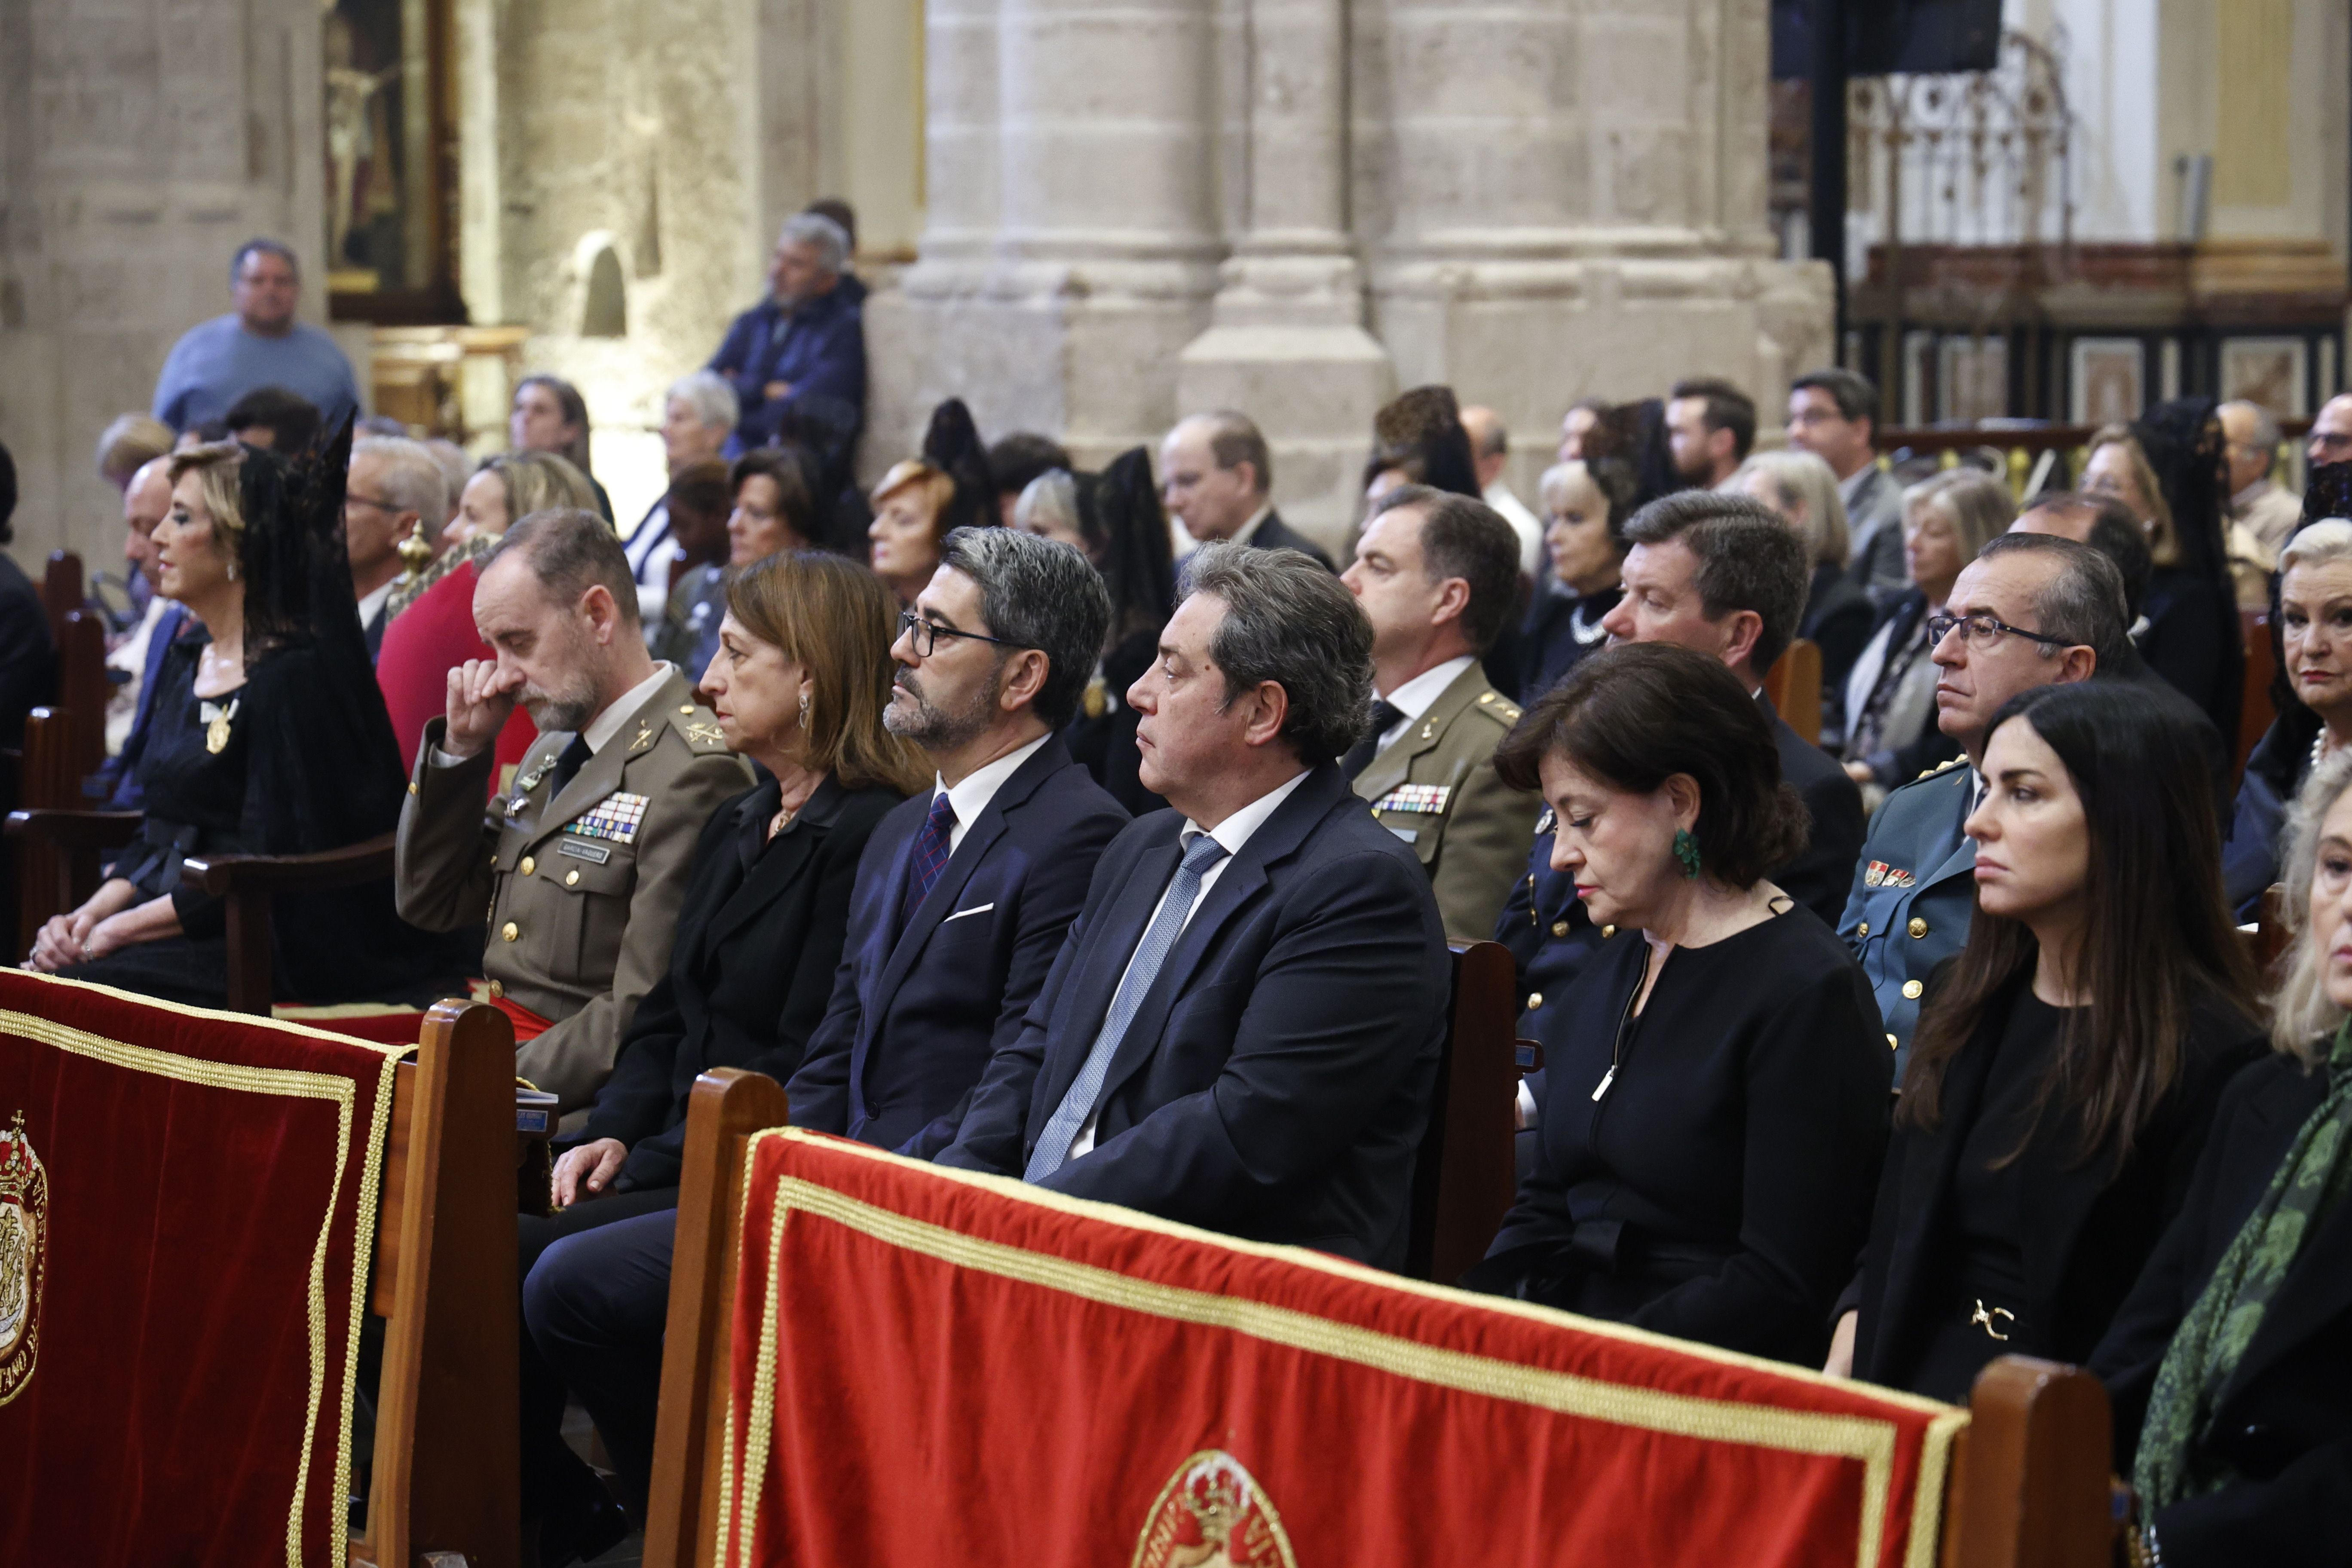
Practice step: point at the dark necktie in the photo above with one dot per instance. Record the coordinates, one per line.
(1359, 756)
(574, 757)
(927, 855)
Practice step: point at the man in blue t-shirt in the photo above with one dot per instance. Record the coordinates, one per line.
(257, 344)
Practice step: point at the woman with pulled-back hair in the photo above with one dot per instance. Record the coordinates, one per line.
(1714, 1108)
(2068, 1062)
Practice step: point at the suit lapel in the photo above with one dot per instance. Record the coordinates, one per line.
(777, 869)
(1113, 944)
(1389, 769)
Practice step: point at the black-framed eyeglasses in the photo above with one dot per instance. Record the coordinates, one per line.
(1985, 631)
(927, 634)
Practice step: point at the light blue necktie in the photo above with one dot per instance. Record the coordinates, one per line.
(1061, 1127)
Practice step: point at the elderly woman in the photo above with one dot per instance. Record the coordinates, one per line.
(1714, 1108)
(1890, 735)
(2068, 1062)
(429, 623)
(1839, 614)
(1585, 504)
(550, 415)
(2228, 1367)
(771, 513)
(799, 684)
(2315, 617)
(267, 736)
(697, 416)
(922, 500)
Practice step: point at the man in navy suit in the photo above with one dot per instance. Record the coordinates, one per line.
(964, 894)
(1242, 1030)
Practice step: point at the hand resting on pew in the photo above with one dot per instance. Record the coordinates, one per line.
(585, 1172)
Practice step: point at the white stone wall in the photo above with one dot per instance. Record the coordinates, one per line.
(140, 142)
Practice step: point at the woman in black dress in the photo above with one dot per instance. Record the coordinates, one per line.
(1585, 503)
(2068, 1060)
(267, 736)
(1714, 1108)
(2229, 1368)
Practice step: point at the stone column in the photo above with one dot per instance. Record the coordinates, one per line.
(1066, 313)
(1288, 344)
(1569, 201)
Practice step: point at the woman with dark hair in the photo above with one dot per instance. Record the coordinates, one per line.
(550, 415)
(773, 513)
(2068, 1060)
(923, 500)
(2228, 1370)
(1714, 1108)
(1114, 520)
(799, 685)
(1418, 439)
(267, 736)
(1585, 503)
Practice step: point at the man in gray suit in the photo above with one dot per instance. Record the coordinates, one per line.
(1833, 415)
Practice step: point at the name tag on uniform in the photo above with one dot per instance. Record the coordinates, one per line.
(581, 849)
(618, 817)
(1429, 800)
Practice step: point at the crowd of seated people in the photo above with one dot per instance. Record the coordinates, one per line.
(1092, 828)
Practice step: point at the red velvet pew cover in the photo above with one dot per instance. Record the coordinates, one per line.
(181, 1196)
(933, 1367)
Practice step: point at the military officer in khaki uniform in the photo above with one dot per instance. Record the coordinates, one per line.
(1437, 574)
(582, 856)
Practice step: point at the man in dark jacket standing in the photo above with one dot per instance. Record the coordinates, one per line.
(798, 357)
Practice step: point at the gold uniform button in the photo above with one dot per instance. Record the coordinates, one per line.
(497, 990)
(528, 865)
(1535, 1000)
(1892, 1043)
(572, 879)
(1608, 931)
(1560, 928)
(1918, 928)
(1863, 930)
(1911, 989)
(412, 786)
(508, 932)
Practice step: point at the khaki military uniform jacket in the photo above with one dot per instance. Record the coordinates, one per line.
(582, 889)
(1435, 787)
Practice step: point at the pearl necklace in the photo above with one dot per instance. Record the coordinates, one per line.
(1585, 635)
(2318, 748)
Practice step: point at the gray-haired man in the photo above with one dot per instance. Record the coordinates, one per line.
(395, 486)
(800, 353)
(698, 415)
(1187, 1055)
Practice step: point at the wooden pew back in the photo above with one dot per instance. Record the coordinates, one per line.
(1794, 685)
(1462, 1181)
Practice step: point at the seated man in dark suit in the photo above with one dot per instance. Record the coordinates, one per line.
(1703, 570)
(965, 893)
(1242, 1030)
(1216, 477)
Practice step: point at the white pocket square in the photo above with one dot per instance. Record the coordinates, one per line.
(975, 910)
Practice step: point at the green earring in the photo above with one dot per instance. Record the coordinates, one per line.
(1687, 851)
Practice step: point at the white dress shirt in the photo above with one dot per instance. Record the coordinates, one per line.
(1413, 698)
(372, 602)
(1525, 523)
(1232, 833)
(971, 797)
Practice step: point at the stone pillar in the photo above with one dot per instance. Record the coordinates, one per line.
(140, 142)
(1569, 201)
(1288, 344)
(1063, 309)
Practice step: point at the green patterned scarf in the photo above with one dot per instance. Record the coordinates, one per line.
(2213, 1337)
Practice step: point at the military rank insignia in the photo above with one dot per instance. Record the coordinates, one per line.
(615, 818)
(1427, 799)
(1879, 874)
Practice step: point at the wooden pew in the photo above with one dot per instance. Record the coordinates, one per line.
(1794, 685)
(2028, 1487)
(447, 1475)
(57, 841)
(63, 590)
(247, 881)
(1463, 1182)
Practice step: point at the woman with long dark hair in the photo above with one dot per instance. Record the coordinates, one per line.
(2068, 1060)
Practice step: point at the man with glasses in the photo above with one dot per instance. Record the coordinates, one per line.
(2331, 433)
(393, 485)
(2030, 610)
(964, 892)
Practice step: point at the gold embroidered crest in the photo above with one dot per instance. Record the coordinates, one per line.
(1213, 1514)
(23, 1237)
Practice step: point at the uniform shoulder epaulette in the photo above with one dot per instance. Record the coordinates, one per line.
(1499, 708)
(697, 727)
(1939, 771)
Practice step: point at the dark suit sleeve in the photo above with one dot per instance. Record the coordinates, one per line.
(994, 1131)
(1051, 897)
(818, 1093)
(1814, 1140)
(1308, 1070)
(1822, 877)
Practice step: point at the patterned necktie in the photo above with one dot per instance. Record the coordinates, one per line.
(927, 855)
(1359, 756)
(1061, 1127)
(574, 758)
